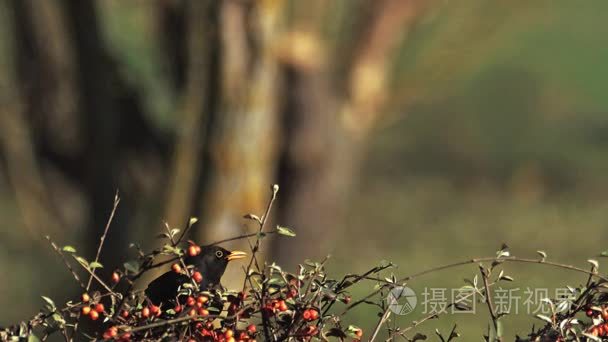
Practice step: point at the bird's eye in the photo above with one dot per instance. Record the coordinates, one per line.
(219, 254)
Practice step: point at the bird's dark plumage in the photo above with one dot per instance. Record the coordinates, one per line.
(211, 263)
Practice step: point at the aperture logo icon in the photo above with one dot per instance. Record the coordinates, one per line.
(402, 300)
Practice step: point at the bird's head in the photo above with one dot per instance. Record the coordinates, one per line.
(212, 262)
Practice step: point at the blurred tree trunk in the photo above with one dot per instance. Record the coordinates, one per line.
(244, 142)
(186, 177)
(80, 122)
(43, 83)
(326, 127)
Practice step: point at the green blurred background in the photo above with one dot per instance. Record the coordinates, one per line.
(417, 132)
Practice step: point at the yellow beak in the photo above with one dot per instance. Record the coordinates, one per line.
(236, 255)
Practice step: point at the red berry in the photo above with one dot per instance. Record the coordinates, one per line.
(126, 336)
(85, 297)
(282, 306)
(197, 276)
(99, 308)
(306, 315)
(115, 277)
(589, 313)
(155, 310)
(86, 310)
(124, 314)
(111, 332)
(93, 315)
(145, 312)
(251, 329)
(314, 314)
(177, 308)
(190, 301)
(176, 268)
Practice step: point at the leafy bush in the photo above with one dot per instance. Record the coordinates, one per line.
(275, 305)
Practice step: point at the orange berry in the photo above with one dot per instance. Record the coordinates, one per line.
(99, 308)
(231, 339)
(115, 277)
(145, 312)
(193, 250)
(202, 299)
(314, 314)
(359, 333)
(203, 312)
(85, 297)
(190, 301)
(86, 310)
(197, 276)
(306, 315)
(282, 306)
(93, 315)
(176, 268)
(229, 333)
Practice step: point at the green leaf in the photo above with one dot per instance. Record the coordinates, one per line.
(95, 264)
(82, 260)
(604, 254)
(544, 318)
(33, 338)
(132, 266)
(352, 331)
(69, 249)
(285, 231)
(49, 302)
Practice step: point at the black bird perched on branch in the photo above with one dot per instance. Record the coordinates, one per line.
(211, 263)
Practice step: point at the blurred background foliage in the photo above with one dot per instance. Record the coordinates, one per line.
(419, 132)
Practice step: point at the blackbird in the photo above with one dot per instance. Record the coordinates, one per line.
(211, 263)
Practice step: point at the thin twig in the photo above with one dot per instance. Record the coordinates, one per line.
(475, 261)
(67, 264)
(484, 277)
(93, 275)
(381, 321)
(254, 250)
(103, 237)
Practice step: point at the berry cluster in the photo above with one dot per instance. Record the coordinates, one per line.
(599, 315)
(277, 303)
